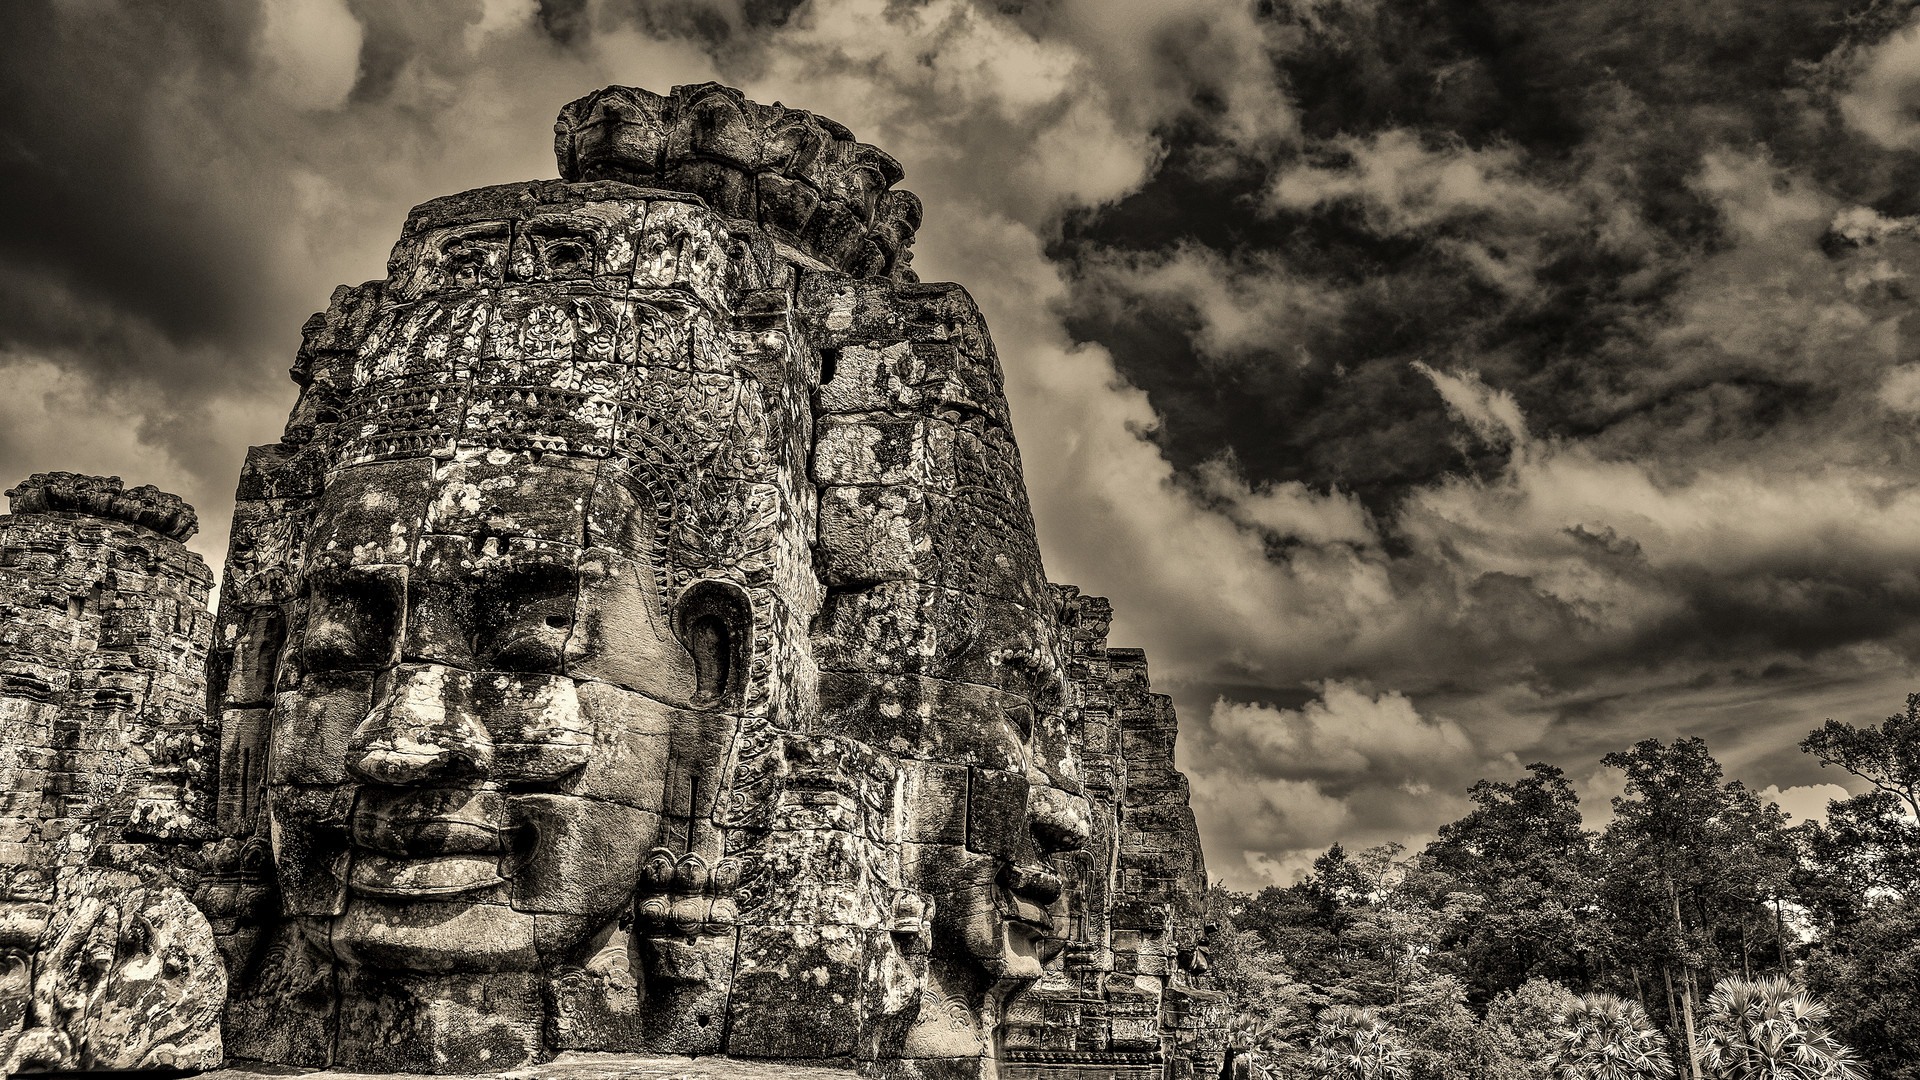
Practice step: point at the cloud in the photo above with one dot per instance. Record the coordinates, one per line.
(1261, 832)
(1492, 414)
(311, 52)
(1352, 765)
(1804, 803)
(1402, 186)
(1235, 310)
(1429, 399)
(1346, 732)
(1883, 102)
(1286, 511)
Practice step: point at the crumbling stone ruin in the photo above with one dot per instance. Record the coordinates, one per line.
(638, 643)
(104, 629)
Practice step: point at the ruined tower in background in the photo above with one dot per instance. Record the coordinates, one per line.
(104, 750)
(638, 642)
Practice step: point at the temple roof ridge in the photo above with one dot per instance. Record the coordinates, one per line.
(106, 497)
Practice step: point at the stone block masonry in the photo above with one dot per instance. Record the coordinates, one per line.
(636, 644)
(105, 756)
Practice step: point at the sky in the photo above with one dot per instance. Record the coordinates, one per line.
(1435, 386)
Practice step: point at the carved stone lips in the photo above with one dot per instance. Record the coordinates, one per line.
(1022, 910)
(450, 875)
(1025, 893)
(428, 841)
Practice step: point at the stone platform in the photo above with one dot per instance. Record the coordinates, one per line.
(579, 1066)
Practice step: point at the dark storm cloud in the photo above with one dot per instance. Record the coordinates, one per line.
(1602, 315)
(1514, 184)
(80, 200)
(1434, 386)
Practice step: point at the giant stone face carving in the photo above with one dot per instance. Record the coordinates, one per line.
(639, 642)
(520, 628)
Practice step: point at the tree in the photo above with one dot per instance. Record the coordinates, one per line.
(1769, 1029)
(1867, 848)
(1444, 1040)
(1529, 825)
(1703, 861)
(1329, 929)
(1869, 845)
(1356, 1044)
(1526, 865)
(1604, 1037)
(1888, 756)
(1522, 1027)
(1869, 972)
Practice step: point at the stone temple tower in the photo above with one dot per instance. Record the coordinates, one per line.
(104, 631)
(104, 761)
(636, 643)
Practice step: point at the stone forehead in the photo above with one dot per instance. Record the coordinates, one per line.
(585, 328)
(495, 507)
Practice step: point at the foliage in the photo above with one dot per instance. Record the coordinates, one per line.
(1769, 1029)
(1888, 756)
(1356, 1044)
(1463, 962)
(1870, 844)
(1522, 1029)
(1868, 847)
(1527, 865)
(1869, 973)
(1694, 874)
(1604, 1037)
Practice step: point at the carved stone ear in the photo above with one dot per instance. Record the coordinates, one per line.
(714, 620)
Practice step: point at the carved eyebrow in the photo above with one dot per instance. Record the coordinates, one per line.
(509, 570)
(336, 578)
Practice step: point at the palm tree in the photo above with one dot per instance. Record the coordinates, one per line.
(1770, 1029)
(1604, 1037)
(1356, 1044)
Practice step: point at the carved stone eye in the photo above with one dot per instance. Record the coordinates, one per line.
(714, 620)
(527, 617)
(352, 622)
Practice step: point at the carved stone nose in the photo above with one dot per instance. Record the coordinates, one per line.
(421, 731)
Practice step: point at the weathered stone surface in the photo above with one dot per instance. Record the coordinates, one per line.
(799, 175)
(124, 976)
(637, 642)
(595, 1066)
(105, 781)
(105, 497)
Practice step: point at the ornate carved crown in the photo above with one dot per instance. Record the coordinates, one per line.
(791, 171)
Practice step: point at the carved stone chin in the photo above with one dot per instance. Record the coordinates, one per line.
(637, 642)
